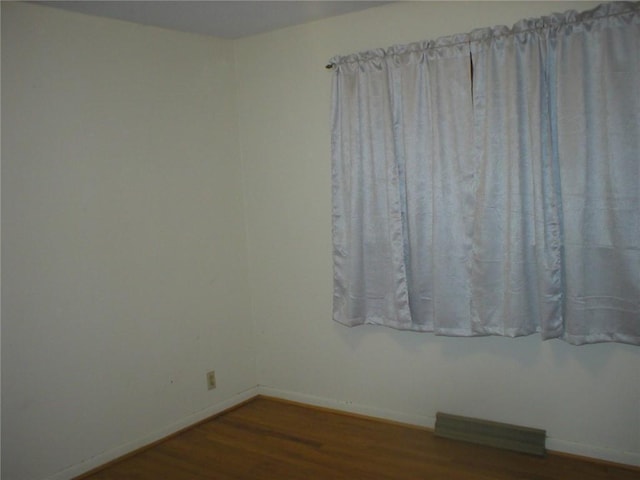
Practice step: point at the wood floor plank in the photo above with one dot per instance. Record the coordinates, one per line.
(268, 439)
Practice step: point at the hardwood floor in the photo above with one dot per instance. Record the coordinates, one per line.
(272, 439)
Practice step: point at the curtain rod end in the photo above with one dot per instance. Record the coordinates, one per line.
(330, 66)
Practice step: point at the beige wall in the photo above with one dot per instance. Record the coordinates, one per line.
(587, 398)
(124, 267)
(133, 262)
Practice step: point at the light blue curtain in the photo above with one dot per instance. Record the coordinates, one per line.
(487, 183)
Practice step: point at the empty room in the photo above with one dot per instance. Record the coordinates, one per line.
(387, 213)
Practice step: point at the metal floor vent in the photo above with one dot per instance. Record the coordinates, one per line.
(493, 434)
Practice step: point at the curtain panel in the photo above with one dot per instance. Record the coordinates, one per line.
(488, 183)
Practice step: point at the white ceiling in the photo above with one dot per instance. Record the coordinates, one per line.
(227, 19)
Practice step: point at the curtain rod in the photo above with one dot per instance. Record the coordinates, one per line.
(619, 8)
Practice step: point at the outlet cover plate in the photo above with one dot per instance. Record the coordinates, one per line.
(211, 380)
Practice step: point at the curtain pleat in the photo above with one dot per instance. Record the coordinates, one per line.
(487, 183)
(370, 281)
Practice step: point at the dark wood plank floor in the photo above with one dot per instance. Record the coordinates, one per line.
(271, 439)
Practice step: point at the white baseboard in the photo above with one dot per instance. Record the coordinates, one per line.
(552, 444)
(589, 451)
(556, 445)
(349, 407)
(124, 449)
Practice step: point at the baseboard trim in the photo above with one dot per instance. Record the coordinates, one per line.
(80, 471)
(603, 456)
(349, 407)
(335, 411)
(105, 459)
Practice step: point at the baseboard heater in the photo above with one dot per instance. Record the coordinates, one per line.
(493, 434)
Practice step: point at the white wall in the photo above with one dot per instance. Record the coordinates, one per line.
(587, 398)
(124, 255)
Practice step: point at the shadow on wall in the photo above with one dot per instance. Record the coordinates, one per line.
(525, 352)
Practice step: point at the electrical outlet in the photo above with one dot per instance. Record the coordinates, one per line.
(211, 379)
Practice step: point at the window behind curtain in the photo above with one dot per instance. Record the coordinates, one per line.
(487, 183)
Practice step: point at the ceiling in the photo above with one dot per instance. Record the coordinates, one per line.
(226, 19)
